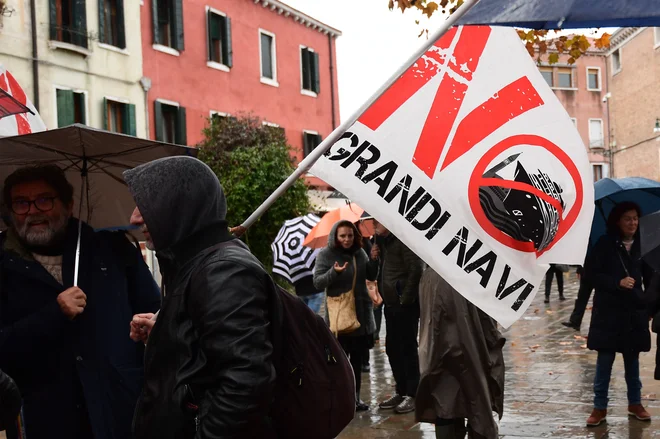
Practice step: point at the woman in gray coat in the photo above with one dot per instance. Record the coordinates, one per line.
(335, 267)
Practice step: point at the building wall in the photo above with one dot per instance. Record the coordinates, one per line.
(635, 104)
(101, 71)
(187, 80)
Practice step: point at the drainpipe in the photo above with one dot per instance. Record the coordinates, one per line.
(608, 96)
(35, 55)
(332, 81)
(146, 86)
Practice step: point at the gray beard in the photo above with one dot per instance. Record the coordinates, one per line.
(51, 237)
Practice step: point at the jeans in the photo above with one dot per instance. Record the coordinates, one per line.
(604, 372)
(313, 301)
(548, 281)
(583, 295)
(402, 324)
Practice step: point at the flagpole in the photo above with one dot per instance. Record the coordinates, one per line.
(316, 154)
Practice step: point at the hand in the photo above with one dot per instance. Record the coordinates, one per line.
(375, 252)
(627, 283)
(238, 231)
(141, 326)
(340, 269)
(72, 302)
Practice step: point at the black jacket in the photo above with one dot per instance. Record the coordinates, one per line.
(10, 401)
(61, 366)
(619, 319)
(211, 344)
(401, 272)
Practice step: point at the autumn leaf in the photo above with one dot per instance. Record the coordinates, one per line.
(549, 312)
(536, 346)
(391, 5)
(584, 346)
(565, 343)
(553, 58)
(431, 7)
(421, 33)
(603, 42)
(536, 311)
(550, 373)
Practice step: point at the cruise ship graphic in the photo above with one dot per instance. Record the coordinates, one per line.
(521, 215)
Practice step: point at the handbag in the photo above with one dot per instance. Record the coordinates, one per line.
(372, 288)
(341, 310)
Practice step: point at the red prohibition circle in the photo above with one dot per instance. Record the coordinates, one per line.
(476, 180)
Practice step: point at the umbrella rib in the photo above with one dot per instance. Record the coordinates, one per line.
(138, 149)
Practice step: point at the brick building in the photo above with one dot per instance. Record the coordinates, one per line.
(634, 83)
(582, 89)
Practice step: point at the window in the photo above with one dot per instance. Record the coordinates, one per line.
(309, 62)
(598, 172)
(565, 78)
(71, 107)
(170, 122)
(593, 78)
(119, 117)
(219, 38)
(275, 128)
(268, 58)
(311, 139)
(68, 21)
(616, 61)
(547, 75)
(656, 36)
(111, 23)
(596, 133)
(167, 16)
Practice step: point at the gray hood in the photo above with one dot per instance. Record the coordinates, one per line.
(177, 197)
(332, 236)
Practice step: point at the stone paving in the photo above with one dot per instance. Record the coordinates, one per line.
(548, 390)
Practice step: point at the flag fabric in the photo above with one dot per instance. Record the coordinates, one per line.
(17, 114)
(471, 160)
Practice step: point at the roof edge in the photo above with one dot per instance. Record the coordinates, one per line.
(299, 17)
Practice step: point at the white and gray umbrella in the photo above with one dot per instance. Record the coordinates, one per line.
(291, 259)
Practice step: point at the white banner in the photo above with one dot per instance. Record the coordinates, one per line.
(17, 114)
(471, 161)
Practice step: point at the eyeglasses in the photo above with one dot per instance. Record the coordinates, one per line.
(43, 204)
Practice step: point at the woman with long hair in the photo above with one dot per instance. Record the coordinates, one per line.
(336, 267)
(619, 319)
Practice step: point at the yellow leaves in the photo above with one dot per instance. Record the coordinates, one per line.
(430, 8)
(391, 5)
(553, 58)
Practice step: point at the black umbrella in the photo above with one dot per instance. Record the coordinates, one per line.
(649, 234)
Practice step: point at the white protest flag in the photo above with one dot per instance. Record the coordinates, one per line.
(17, 114)
(471, 161)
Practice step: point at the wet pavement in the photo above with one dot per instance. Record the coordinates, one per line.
(548, 390)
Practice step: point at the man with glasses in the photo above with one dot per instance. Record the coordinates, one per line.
(67, 347)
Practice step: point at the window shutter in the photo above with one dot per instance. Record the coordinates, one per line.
(154, 20)
(80, 97)
(315, 76)
(80, 23)
(158, 120)
(209, 35)
(130, 127)
(65, 108)
(101, 4)
(178, 25)
(105, 114)
(317, 140)
(306, 74)
(181, 127)
(306, 145)
(121, 32)
(228, 51)
(52, 9)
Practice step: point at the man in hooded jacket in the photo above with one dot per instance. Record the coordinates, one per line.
(208, 361)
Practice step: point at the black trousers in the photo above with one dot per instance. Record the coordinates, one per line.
(583, 295)
(548, 280)
(378, 316)
(355, 347)
(402, 324)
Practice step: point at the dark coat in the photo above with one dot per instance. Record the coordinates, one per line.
(10, 401)
(460, 359)
(619, 319)
(61, 366)
(334, 284)
(401, 271)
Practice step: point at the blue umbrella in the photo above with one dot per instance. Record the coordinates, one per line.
(564, 14)
(611, 191)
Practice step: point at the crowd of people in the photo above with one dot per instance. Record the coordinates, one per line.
(110, 355)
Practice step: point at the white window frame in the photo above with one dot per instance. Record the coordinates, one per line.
(273, 57)
(656, 37)
(75, 90)
(270, 124)
(304, 91)
(614, 69)
(218, 113)
(602, 132)
(605, 169)
(600, 87)
(166, 102)
(166, 49)
(213, 64)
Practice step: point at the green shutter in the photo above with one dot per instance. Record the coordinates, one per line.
(158, 120)
(102, 21)
(214, 31)
(316, 84)
(306, 145)
(105, 114)
(121, 32)
(65, 108)
(178, 25)
(317, 140)
(154, 20)
(305, 61)
(227, 50)
(180, 135)
(80, 23)
(52, 9)
(130, 127)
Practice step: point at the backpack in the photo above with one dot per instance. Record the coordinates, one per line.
(315, 388)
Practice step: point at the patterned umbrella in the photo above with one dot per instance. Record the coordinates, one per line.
(290, 259)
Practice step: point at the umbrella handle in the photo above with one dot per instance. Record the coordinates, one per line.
(76, 266)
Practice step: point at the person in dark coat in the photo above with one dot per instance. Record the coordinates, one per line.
(10, 401)
(209, 369)
(619, 319)
(334, 273)
(68, 347)
(556, 272)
